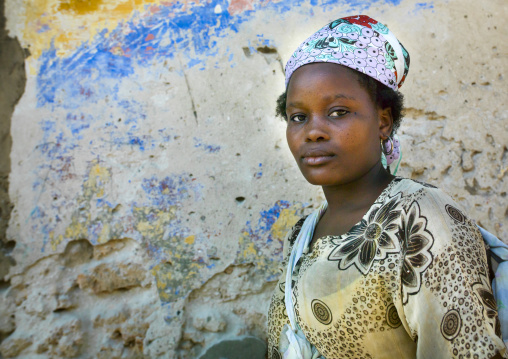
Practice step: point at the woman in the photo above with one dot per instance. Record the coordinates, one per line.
(390, 267)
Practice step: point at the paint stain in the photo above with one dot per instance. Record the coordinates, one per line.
(80, 7)
(65, 24)
(190, 239)
(262, 243)
(239, 6)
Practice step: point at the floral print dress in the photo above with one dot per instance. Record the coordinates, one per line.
(409, 281)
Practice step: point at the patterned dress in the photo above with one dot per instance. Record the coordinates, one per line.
(410, 280)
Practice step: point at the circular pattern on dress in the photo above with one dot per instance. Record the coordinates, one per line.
(276, 353)
(321, 311)
(455, 214)
(392, 317)
(451, 324)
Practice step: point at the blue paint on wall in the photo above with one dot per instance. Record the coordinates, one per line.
(171, 190)
(260, 233)
(423, 6)
(208, 148)
(99, 68)
(259, 173)
(94, 69)
(270, 216)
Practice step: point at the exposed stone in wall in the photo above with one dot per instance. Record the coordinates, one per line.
(86, 300)
(232, 304)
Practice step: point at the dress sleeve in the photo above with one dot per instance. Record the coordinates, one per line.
(446, 296)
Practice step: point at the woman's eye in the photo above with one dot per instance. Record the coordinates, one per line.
(338, 113)
(297, 118)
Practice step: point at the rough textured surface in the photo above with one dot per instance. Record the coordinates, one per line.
(146, 187)
(12, 85)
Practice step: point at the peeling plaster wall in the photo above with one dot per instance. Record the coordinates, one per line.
(151, 184)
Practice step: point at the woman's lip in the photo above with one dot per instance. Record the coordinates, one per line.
(316, 160)
(317, 153)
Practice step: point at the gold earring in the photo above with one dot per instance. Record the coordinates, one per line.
(383, 146)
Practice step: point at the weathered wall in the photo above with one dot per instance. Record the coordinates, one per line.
(151, 184)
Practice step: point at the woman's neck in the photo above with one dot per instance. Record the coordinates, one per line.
(359, 194)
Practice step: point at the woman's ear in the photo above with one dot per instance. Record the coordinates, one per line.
(385, 123)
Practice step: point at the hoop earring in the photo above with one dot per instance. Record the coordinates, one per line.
(391, 151)
(387, 149)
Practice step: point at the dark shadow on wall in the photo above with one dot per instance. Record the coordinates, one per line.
(12, 86)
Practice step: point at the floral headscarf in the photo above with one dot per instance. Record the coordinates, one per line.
(358, 42)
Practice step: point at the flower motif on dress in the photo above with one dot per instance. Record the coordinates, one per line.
(483, 291)
(369, 240)
(416, 243)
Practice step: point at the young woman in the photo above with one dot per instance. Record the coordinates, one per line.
(388, 267)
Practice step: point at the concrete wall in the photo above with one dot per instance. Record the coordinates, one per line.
(149, 183)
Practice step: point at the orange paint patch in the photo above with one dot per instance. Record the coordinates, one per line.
(238, 6)
(149, 37)
(154, 9)
(117, 50)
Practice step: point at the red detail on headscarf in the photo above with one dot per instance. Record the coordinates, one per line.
(362, 20)
(402, 81)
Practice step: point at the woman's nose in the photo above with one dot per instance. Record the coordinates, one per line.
(317, 129)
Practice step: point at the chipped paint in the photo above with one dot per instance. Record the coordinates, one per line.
(198, 143)
(98, 132)
(151, 221)
(190, 239)
(261, 244)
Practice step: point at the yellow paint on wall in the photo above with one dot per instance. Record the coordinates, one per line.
(250, 250)
(54, 241)
(161, 284)
(155, 228)
(76, 230)
(79, 7)
(104, 236)
(287, 218)
(190, 239)
(69, 23)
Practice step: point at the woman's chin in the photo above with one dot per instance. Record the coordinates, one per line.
(321, 180)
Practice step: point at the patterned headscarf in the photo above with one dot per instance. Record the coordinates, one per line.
(358, 42)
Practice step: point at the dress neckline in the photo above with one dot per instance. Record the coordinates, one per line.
(384, 192)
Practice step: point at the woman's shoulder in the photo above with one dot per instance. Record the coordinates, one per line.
(430, 201)
(409, 185)
(411, 190)
(433, 204)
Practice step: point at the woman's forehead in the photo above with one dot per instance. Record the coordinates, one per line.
(323, 75)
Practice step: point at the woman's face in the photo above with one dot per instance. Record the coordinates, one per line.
(334, 127)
